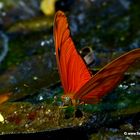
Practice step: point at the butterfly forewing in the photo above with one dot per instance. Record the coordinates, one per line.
(72, 69)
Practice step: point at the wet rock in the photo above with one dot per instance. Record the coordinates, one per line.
(14, 10)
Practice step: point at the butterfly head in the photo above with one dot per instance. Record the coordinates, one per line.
(66, 100)
(69, 100)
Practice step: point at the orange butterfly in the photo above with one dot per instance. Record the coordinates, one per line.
(77, 81)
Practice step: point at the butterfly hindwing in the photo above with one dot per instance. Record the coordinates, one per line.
(107, 78)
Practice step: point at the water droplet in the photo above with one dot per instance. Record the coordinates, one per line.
(15, 112)
(48, 111)
(80, 123)
(42, 43)
(26, 125)
(132, 84)
(40, 98)
(35, 78)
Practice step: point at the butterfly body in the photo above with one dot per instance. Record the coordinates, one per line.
(78, 82)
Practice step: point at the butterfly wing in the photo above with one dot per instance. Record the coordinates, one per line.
(107, 78)
(72, 69)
